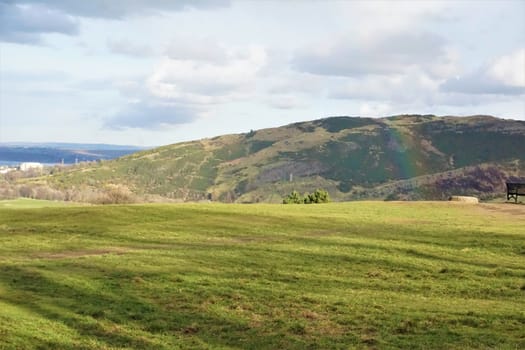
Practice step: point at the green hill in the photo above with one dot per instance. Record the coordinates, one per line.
(400, 157)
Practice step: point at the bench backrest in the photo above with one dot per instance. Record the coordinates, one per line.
(516, 187)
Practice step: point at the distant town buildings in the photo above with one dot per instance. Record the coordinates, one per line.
(6, 169)
(31, 165)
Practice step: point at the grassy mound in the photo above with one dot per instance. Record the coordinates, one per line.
(347, 275)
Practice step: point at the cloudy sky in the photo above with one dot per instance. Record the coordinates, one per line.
(152, 72)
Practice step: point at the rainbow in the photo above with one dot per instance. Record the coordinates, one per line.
(403, 156)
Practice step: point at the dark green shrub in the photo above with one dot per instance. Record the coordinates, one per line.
(319, 196)
(293, 198)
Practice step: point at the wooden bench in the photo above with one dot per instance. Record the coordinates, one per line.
(515, 189)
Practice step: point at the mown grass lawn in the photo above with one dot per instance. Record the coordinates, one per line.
(26, 203)
(210, 276)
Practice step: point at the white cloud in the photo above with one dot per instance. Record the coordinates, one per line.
(181, 90)
(205, 82)
(509, 69)
(26, 23)
(128, 48)
(291, 82)
(132, 89)
(371, 19)
(117, 9)
(284, 102)
(394, 53)
(198, 50)
(504, 75)
(151, 115)
(399, 88)
(374, 110)
(207, 68)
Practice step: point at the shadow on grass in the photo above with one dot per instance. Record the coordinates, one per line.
(117, 318)
(71, 306)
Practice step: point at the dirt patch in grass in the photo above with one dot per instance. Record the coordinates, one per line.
(506, 208)
(82, 253)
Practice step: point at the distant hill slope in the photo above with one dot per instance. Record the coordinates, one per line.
(401, 157)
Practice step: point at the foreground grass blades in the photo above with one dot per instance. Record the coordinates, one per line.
(334, 276)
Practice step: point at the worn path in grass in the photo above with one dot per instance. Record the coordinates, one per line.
(210, 276)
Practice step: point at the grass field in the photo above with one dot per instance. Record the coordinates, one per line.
(27, 203)
(382, 275)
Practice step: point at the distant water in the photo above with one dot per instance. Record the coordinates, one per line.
(8, 163)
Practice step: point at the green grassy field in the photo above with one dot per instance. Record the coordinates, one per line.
(26, 203)
(210, 276)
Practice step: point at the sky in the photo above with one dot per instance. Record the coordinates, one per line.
(156, 72)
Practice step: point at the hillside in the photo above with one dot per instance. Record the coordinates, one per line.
(400, 157)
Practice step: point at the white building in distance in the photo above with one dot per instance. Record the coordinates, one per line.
(6, 169)
(30, 165)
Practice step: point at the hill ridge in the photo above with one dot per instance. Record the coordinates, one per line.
(351, 157)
